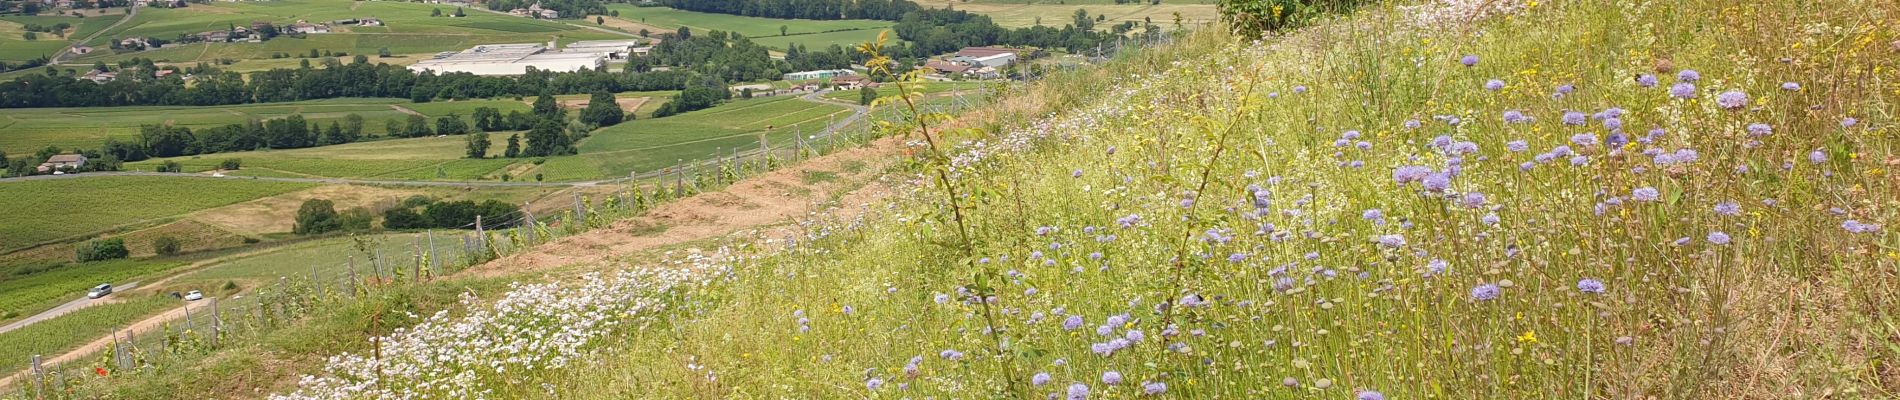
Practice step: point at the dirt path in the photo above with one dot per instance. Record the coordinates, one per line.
(89, 349)
(852, 179)
(405, 110)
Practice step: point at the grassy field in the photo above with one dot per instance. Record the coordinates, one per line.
(408, 29)
(31, 129)
(108, 202)
(811, 33)
(14, 47)
(329, 257)
(651, 144)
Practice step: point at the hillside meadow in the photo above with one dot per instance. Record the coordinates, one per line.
(1412, 202)
(54, 209)
(26, 130)
(15, 48)
(765, 31)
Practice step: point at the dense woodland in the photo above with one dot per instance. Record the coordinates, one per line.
(888, 10)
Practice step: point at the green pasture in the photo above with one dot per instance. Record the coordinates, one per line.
(652, 144)
(26, 130)
(752, 27)
(14, 46)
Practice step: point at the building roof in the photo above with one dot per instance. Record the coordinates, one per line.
(67, 158)
(947, 67)
(980, 52)
(848, 78)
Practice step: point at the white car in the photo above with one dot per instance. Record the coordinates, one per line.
(194, 295)
(99, 291)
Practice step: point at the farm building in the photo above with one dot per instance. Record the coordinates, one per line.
(819, 74)
(371, 22)
(985, 56)
(62, 162)
(852, 82)
(306, 28)
(613, 49)
(510, 59)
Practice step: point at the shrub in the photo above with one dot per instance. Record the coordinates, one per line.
(231, 164)
(165, 245)
(103, 249)
(404, 218)
(317, 216)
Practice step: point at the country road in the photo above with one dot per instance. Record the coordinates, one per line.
(858, 113)
(70, 306)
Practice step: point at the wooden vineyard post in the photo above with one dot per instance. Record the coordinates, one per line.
(527, 221)
(39, 378)
(580, 207)
(435, 264)
(315, 284)
(679, 178)
(217, 323)
(187, 308)
(354, 279)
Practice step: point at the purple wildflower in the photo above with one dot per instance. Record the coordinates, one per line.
(1078, 391)
(1041, 378)
(1299, 89)
(1468, 60)
(1436, 267)
(1373, 214)
(1718, 237)
(1646, 80)
(1853, 226)
(1473, 200)
(1817, 156)
(1590, 286)
(1688, 75)
(1517, 146)
(1574, 118)
(1112, 378)
(1392, 241)
(1728, 208)
(951, 355)
(1494, 85)
(1154, 388)
(1436, 182)
(1645, 194)
(1848, 122)
(1790, 86)
(1072, 323)
(1412, 124)
(1486, 292)
(1371, 395)
(1682, 90)
(1515, 116)
(1760, 129)
(1732, 99)
(1584, 139)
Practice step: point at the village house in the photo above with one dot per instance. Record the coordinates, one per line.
(82, 49)
(819, 74)
(372, 22)
(852, 82)
(63, 162)
(100, 77)
(134, 43)
(307, 28)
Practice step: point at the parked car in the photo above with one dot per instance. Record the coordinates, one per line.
(99, 291)
(194, 295)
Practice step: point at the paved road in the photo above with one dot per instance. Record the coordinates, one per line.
(858, 113)
(69, 49)
(70, 306)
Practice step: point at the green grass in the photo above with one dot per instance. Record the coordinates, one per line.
(68, 331)
(329, 257)
(32, 293)
(90, 205)
(811, 33)
(652, 144)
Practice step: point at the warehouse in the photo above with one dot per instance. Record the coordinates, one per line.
(510, 59)
(613, 49)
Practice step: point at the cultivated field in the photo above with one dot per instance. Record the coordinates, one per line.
(30, 129)
(1018, 14)
(29, 294)
(652, 144)
(14, 47)
(77, 328)
(810, 33)
(408, 29)
(33, 216)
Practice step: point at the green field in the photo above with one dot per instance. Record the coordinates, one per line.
(21, 296)
(76, 329)
(329, 257)
(408, 29)
(811, 33)
(42, 210)
(651, 144)
(15, 47)
(25, 130)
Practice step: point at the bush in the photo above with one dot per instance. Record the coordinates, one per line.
(403, 218)
(317, 216)
(166, 245)
(231, 164)
(170, 166)
(97, 250)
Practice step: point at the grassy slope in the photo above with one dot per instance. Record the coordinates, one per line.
(30, 294)
(14, 47)
(1702, 320)
(810, 33)
(651, 144)
(28, 130)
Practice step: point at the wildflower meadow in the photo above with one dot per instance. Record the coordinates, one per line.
(1448, 199)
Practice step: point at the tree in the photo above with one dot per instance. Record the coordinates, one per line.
(317, 216)
(335, 134)
(782, 29)
(231, 164)
(100, 250)
(165, 245)
(487, 119)
(602, 110)
(353, 126)
(866, 95)
(514, 146)
(545, 107)
(599, 21)
(382, 52)
(478, 145)
(450, 125)
(435, 12)
(404, 218)
(458, 13)
(418, 127)
(547, 139)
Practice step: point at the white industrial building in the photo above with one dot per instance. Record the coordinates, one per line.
(510, 59)
(613, 49)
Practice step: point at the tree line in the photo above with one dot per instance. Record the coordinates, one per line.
(887, 10)
(567, 8)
